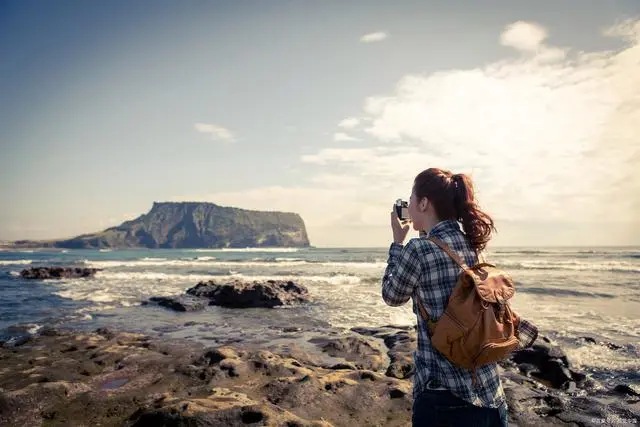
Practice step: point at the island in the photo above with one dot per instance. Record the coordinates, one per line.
(185, 225)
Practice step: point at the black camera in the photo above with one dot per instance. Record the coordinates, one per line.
(402, 210)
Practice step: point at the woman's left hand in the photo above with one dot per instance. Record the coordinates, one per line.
(400, 229)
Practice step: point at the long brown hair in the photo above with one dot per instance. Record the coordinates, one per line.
(453, 198)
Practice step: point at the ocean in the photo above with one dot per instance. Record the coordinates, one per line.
(567, 292)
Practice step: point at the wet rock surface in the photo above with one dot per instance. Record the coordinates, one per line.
(242, 294)
(43, 273)
(178, 303)
(360, 377)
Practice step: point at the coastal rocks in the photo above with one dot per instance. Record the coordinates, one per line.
(547, 363)
(58, 272)
(178, 303)
(222, 407)
(238, 294)
(400, 341)
(363, 354)
(112, 378)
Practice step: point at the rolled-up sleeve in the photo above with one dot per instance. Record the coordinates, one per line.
(527, 333)
(402, 274)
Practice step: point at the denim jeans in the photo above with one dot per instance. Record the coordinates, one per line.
(441, 408)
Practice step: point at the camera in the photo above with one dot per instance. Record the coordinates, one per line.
(402, 210)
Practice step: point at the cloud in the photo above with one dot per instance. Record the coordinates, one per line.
(343, 137)
(374, 37)
(547, 136)
(216, 132)
(349, 123)
(527, 36)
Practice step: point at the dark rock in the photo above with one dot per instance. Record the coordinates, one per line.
(18, 341)
(363, 353)
(238, 294)
(588, 340)
(106, 332)
(551, 363)
(178, 303)
(625, 389)
(338, 366)
(396, 393)
(401, 346)
(42, 273)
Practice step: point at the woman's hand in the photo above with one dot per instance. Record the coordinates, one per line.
(400, 229)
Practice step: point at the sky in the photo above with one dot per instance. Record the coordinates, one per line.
(325, 108)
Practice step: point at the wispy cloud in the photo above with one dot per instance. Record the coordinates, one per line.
(216, 132)
(343, 137)
(349, 123)
(374, 37)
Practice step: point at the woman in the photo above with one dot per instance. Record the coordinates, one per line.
(443, 393)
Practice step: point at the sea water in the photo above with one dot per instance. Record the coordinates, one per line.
(568, 293)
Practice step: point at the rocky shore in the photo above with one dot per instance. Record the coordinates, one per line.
(360, 377)
(320, 377)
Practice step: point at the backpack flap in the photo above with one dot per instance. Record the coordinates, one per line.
(492, 284)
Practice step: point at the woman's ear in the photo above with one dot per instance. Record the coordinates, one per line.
(423, 204)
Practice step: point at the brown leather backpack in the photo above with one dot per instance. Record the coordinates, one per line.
(478, 326)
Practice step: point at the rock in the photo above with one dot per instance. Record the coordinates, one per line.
(178, 303)
(589, 340)
(626, 389)
(238, 294)
(364, 354)
(401, 346)
(58, 272)
(613, 346)
(116, 378)
(550, 362)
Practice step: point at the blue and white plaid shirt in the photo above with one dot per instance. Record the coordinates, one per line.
(421, 266)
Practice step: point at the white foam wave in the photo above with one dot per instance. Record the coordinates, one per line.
(248, 250)
(613, 266)
(213, 262)
(15, 262)
(149, 275)
(338, 279)
(602, 357)
(192, 279)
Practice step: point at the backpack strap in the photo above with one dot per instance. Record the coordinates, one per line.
(423, 311)
(454, 256)
(425, 315)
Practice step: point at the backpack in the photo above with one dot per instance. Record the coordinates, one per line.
(478, 326)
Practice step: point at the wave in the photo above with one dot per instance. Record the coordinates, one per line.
(563, 292)
(16, 262)
(193, 278)
(581, 253)
(247, 250)
(612, 266)
(213, 262)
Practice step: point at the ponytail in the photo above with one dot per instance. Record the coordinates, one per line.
(476, 224)
(453, 198)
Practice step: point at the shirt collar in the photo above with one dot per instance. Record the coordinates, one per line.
(448, 224)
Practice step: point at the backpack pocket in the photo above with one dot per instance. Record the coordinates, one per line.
(495, 351)
(448, 338)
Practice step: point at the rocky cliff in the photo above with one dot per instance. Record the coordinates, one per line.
(195, 225)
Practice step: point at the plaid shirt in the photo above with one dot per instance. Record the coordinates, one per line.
(421, 266)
